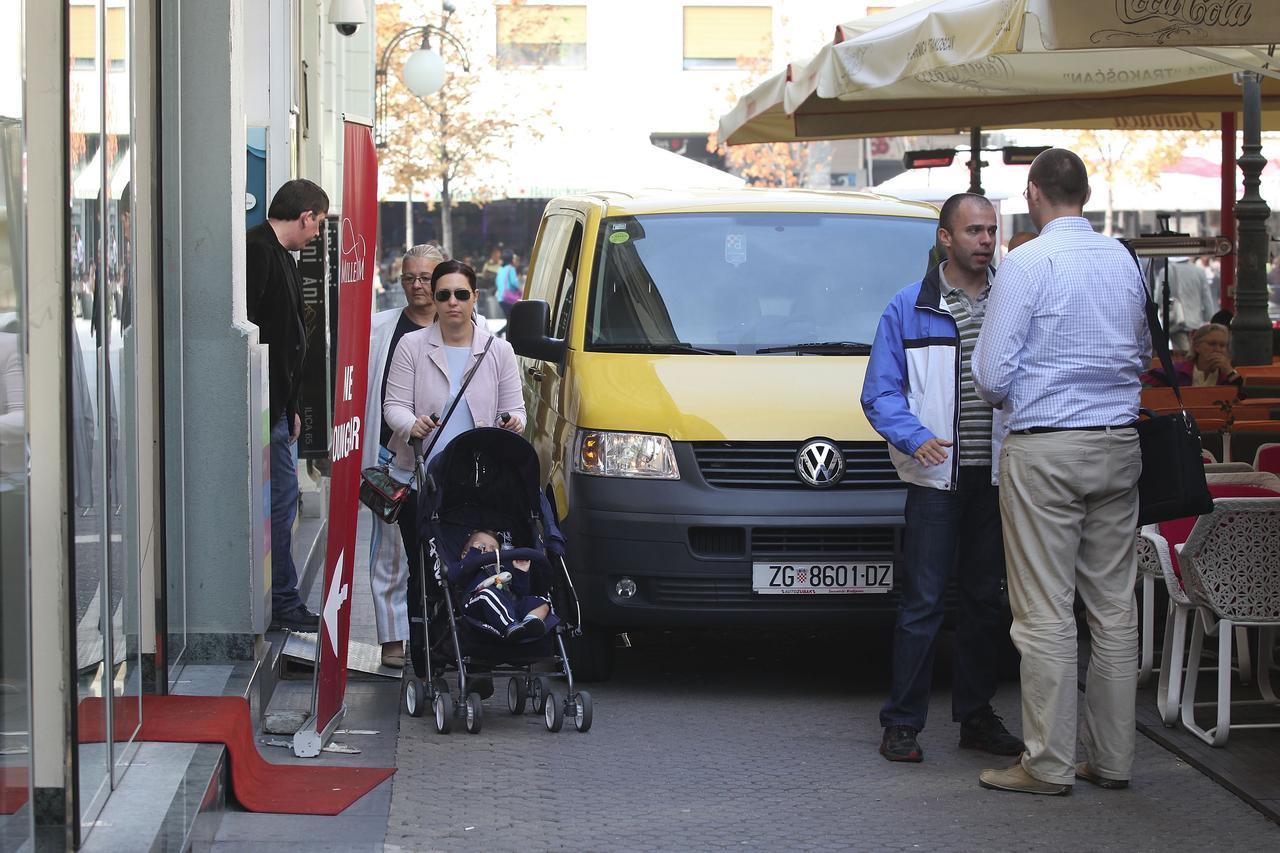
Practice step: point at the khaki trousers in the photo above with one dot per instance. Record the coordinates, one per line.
(1069, 503)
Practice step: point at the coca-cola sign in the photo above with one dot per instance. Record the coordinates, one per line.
(1154, 23)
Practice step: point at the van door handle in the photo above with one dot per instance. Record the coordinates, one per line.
(534, 373)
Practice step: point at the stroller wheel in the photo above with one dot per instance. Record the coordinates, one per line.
(554, 711)
(443, 707)
(582, 711)
(440, 685)
(474, 713)
(517, 695)
(541, 689)
(414, 696)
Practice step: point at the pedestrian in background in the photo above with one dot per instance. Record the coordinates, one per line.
(273, 289)
(388, 563)
(1192, 300)
(1061, 351)
(509, 290)
(917, 377)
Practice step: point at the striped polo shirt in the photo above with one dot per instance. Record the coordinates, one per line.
(974, 432)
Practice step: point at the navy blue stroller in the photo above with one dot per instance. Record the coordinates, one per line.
(488, 479)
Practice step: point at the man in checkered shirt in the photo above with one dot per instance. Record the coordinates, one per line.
(1060, 353)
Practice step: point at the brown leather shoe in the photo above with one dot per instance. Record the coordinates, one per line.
(393, 655)
(1087, 773)
(1017, 779)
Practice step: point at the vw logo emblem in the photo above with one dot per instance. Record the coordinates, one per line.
(820, 463)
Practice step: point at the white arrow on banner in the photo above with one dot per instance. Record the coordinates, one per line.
(333, 602)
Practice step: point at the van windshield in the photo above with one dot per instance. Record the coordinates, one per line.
(743, 283)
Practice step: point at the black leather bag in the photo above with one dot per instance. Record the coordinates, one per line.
(1172, 484)
(382, 493)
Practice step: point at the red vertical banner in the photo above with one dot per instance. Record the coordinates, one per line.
(355, 294)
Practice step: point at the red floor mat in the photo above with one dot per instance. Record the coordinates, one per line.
(13, 789)
(258, 785)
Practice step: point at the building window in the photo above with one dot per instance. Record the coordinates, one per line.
(542, 35)
(725, 36)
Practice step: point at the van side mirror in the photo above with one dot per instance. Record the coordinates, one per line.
(527, 332)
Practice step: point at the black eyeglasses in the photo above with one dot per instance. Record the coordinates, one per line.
(424, 280)
(462, 294)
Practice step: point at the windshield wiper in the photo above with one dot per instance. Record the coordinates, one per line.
(673, 347)
(822, 348)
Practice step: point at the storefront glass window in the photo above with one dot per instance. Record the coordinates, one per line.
(15, 697)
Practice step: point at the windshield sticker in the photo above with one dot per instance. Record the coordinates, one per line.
(735, 249)
(617, 238)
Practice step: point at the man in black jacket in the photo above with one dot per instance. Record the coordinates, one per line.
(274, 291)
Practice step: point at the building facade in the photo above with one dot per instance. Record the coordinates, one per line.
(136, 139)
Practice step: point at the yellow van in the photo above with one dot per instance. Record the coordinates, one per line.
(692, 365)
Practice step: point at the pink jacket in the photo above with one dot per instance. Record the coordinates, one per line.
(418, 384)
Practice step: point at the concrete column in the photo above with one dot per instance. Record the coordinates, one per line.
(52, 634)
(210, 419)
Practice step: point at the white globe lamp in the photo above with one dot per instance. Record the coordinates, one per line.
(424, 72)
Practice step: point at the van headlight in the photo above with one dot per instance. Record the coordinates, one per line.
(625, 454)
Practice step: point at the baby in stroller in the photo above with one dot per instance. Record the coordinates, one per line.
(498, 587)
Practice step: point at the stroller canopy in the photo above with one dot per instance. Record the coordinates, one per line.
(485, 477)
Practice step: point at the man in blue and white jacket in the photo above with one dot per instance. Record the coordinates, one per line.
(944, 441)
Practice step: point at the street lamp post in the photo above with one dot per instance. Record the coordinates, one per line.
(1251, 329)
(423, 71)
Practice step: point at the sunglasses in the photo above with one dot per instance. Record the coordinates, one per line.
(462, 294)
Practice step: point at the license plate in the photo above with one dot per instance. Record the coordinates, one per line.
(820, 578)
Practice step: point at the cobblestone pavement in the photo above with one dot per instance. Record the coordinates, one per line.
(743, 741)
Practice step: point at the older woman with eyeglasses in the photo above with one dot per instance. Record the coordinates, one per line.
(426, 373)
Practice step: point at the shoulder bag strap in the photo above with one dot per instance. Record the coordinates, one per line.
(1158, 336)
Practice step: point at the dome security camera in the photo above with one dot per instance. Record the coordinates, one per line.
(347, 16)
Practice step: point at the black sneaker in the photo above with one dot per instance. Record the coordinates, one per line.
(531, 628)
(899, 744)
(985, 730)
(298, 619)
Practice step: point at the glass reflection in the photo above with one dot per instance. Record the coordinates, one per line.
(15, 728)
(90, 335)
(120, 366)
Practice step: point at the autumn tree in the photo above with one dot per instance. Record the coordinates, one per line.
(1129, 157)
(766, 164)
(447, 140)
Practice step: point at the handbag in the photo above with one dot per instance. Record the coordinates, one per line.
(384, 494)
(1172, 484)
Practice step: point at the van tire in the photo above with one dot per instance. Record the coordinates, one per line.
(591, 654)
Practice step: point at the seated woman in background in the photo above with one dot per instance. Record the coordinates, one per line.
(1208, 363)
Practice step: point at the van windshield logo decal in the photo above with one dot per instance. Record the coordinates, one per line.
(820, 463)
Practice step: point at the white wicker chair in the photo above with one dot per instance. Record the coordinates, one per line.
(1261, 479)
(1231, 573)
(1153, 562)
(1227, 468)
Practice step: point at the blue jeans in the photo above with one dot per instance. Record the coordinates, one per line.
(284, 508)
(948, 532)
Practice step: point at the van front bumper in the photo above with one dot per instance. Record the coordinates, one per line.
(689, 548)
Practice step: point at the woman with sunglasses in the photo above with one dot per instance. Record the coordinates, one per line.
(426, 373)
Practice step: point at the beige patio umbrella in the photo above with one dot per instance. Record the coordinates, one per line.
(938, 65)
(941, 65)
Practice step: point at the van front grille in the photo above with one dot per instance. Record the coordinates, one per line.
(771, 465)
(846, 543)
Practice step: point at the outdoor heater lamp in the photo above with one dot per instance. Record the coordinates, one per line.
(1013, 155)
(930, 159)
